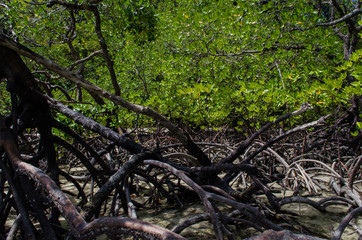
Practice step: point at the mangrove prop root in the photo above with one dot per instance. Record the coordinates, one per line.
(80, 228)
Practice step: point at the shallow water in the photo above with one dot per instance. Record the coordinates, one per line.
(317, 223)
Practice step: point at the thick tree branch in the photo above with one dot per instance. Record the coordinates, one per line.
(134, 227)
(61, 201)
(27, 225)
(89, 57)
(120, 140)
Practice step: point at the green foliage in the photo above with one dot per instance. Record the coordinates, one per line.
(203, 62)
(353, 68)
(141, 20)
(359, 128)
(4, 99)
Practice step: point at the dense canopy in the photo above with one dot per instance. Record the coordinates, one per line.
(208, 63)
(147, 103)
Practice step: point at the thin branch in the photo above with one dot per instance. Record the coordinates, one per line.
(106, 56)
(64, 128)
(280, 73)
(95, 1)
(233, 54)
(131, 208)
(248, 168)
(14, 229)
(34, 200)
(191, 221)
(289, 132)
(346, 17)
(198, 189)
(243, 146)
(97, 28)
(5, 6)
(69, 5)
(91, 169)
(77, 186)
(89, 57)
